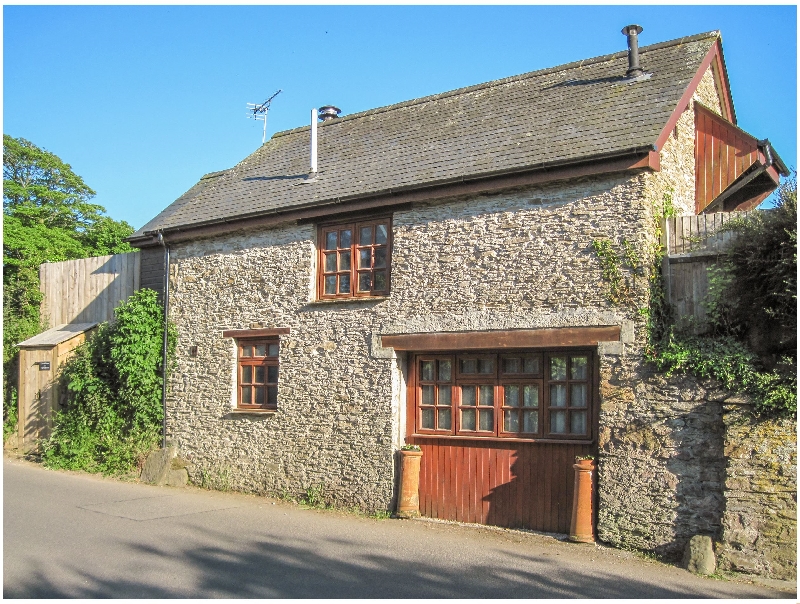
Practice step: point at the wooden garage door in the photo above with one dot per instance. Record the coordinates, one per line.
(500, 432)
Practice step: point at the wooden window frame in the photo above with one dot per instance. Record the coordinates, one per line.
(266, 361)
(354, 250)
(500, 380)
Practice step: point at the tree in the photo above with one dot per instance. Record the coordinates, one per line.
(47, 217)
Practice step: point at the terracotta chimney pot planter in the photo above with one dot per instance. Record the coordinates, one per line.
(408, 505)
(582, 528)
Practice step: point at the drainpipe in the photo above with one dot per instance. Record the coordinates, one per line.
(165, 342)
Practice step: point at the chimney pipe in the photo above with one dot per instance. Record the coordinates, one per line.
(314, 141)
(633, 31)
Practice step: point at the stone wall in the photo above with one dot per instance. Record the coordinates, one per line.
(759, 526)
(520, 259)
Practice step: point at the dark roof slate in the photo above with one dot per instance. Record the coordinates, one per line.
(553, 116)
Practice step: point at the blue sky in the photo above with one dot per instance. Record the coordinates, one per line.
(144, 100)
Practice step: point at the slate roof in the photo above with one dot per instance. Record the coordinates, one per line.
(554, 116)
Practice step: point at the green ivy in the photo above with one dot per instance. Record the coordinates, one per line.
(113, 413)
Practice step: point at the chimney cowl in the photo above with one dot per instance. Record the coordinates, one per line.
(328, 112)
(632, 32)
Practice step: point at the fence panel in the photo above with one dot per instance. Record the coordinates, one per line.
(87, 290)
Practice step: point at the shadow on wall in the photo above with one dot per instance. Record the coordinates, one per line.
(311, 566)
(699, 468)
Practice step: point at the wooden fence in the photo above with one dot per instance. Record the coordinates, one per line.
(693, 244)
(87, 290)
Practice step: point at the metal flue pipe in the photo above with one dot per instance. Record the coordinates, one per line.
(632, 32)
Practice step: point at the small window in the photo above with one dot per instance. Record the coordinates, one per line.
(354, 259)
(258, 374)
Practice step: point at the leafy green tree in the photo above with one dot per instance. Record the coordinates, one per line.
(47, 217)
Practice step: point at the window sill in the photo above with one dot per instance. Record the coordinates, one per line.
(497, 439)
(251, 412)
(352, 300)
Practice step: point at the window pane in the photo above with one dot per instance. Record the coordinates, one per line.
(530, 421)
(272, 374)
(487, 396)
(444, 419)
(247, 395)
(577, 422)
(427, 371)
(468, 395)
(330, 263)
(511, 396)
(247, 374)
(345, 238)
(344, 261)
(468, 419)
(365, 238)
(558, 422)
(558, 395)
(364, 282)
(272, 396)
(469, 365)
(485, 365)
(511, 365)
(260, 375)
(365, 258)
(380, 257)
(427, 395)
(381, 234)
(578, 368)
(444, 395)
(261, 350)
(511, 421)
(558, 368)
(330, 285)
(344, 284)
(577, 395)
(380, 281)
(532, 365)
(444, 371)
(427, 419)
(259, 395)
(247, 351)
(330, 240)
(486, 419)
(273, 350)
(530, 396)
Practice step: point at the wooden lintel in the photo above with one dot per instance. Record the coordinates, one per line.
(255, 333)
(518, 338)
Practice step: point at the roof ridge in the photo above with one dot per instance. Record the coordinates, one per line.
(499, 82)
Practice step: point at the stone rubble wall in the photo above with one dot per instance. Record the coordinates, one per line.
(759, 526)
(519, 259)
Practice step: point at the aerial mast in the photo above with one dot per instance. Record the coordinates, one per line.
(259, 113)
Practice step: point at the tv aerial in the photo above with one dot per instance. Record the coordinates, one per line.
(259, 113)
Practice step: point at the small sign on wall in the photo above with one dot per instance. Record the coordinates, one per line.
(44, 365)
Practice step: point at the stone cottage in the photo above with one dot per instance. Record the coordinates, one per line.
(434, 281)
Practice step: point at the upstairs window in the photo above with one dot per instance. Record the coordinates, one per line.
(354, 259)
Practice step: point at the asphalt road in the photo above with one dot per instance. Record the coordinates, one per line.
(73, 535)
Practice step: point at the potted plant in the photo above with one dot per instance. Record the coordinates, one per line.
(408, 504)
(582, 526)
